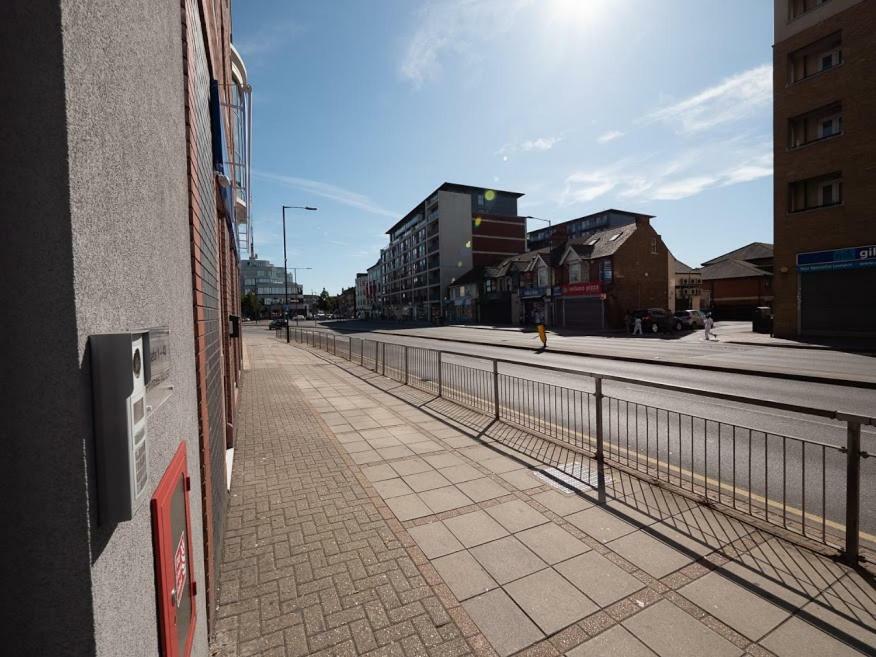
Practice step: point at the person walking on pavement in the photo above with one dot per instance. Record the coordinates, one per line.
(637, 326)
(539, 326)
(708, 323)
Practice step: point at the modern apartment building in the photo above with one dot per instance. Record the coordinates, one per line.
(267, 282)
(363, 304)
(453, 229)
(554, 235)
(374, 291)
(120, 412)
(825, 167)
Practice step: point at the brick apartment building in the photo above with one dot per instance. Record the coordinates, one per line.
(128, 138)
(824, 62)
(455, 228)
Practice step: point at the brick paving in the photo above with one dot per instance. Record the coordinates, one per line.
(370, 518)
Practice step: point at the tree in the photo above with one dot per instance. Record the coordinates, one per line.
(251, 306)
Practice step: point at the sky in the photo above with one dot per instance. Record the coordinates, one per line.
(363, 107)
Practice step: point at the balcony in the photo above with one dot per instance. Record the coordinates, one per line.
(815, 193)
(823, 55)
(823, 123)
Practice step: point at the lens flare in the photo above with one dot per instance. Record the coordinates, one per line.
(477, 221)
(468, 244)
(489, 195)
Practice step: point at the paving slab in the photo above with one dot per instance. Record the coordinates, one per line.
(475, 528)
(670, 632)
(426, 447)
(444, 499)
(600, 524)
(522, 479)
(506, 627)
(516, 515)
(435, 540)
(396, 452)
(614, 642)
(459, 473)
(561, 503)
(552, 543)
(444, 460)
(798, 638)
(464, 575)
(599, 578)
(408, 507)
(507, 559)
(379, 472)
(482, 489)
(746, 612)
(392, 488)
(654, 557)
(551, 601)
(426, 481)
(410, 466)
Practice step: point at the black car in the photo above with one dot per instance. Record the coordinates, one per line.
(655, 320)
(277, 323)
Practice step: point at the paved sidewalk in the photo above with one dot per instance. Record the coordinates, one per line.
(369, 518)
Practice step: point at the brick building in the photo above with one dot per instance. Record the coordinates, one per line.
(128, 134)
(824, 63)
(735, 283)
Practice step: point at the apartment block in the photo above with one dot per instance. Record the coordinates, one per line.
(453, 229)
(556, 234)
(825, 167)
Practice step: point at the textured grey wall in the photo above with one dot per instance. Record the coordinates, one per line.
(45, 602)
(132, 259)
(96, 232)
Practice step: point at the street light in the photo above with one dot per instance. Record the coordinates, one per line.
(285, 271)
(295, 271)
(529, 216)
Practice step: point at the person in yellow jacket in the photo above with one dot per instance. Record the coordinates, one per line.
(542, 332)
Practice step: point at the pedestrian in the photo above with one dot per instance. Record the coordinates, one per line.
(637, 326)
(539, 326)
(708, 323)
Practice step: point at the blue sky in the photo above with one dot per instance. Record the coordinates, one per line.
(364, 107)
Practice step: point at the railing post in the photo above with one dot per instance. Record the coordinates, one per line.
(287, 331)
(406, 364)
(383, 360)
(334, 345)
(362, 352)
(496, 389)
(853, 490)
(440, 377)
(600, 454)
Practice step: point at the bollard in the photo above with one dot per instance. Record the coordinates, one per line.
(440, 378)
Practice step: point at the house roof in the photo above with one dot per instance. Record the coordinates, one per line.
(731, 269)
(473, 275)
(601, 244)
(681, 268)
(753, 251)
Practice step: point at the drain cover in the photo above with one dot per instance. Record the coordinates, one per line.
(573, 476)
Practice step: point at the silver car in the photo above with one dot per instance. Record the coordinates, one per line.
(691, 319)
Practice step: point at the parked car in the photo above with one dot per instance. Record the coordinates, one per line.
(655, 320)
(299, 318)
(277, 323)
(691, 319)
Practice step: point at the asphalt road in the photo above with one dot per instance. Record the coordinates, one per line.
(689, 431)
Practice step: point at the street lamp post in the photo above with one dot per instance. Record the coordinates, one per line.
(295, 282)
(285, 270)
(529, 216)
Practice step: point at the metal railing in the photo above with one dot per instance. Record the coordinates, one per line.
(808, 487)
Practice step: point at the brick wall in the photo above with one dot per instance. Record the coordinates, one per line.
(632, 288)
(853, 83)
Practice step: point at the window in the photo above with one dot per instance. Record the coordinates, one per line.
(653, 246)
(797, 8)
(574, 272)
(822, 123)
(823, 191)
(817, 57)
(606, 271)
(480, 200)
(489, 285)
(615, 236)
(543, 277)
(593, 241)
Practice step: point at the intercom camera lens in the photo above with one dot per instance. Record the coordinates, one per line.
(137, 363)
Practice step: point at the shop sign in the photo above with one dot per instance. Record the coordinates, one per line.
(582, 290)
(857, 257)
(530, 292)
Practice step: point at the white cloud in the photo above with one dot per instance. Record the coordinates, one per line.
(738, 97)
(329, 191)
(539, 145)
(451, 27)
(610, 136)
(690, 172)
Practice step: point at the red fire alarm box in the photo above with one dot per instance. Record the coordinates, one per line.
(172, 538)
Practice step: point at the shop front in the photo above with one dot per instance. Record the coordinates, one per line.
(535, 304)
(583, 306)
(834, 289)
